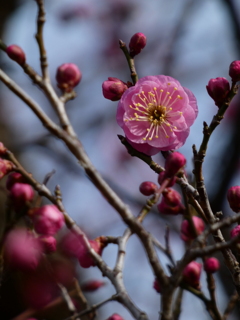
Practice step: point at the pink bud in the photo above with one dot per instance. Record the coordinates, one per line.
(174, 162)
(5, 167)
(147, 188)
(21, 194)
(187, 233)
(85, 258)
(3, 149)
(71, 245)
(113, 89)
(162, 176)
(49, 243)
(16, 53)
(171, 202)
(115, 316)
(218, 89)
(92, 285)
(235, 232)
(137, 43)
(22, 250)
(14, 177)
(211, 265)
(68, 76)
(233, 196)
(191, 273)
(48, 220)
(234, 70)
(156, 286)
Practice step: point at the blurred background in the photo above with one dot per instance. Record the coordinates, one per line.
(189, 40)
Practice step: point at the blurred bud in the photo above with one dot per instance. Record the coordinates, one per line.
(5, 167)
(47, 219)
(174, 162)
(162, 177)
(233, 196)
(71, 245)
(171, 202)
(137, 43)
(14, 177)
(22, 250)
(156, 286)
(234, 71)
(16, 53)
(191, 274)
(187, 233)
(113, 89)
(147, 188)
(3, 149)
(84, 257)
(235, 232)
(115, 316)
(49, 243)
(218, 89)
(68, 76)
(211, 265)
(21, 194)
(92, 285)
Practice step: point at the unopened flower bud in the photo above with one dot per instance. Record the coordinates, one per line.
(15, 177)
(187, 233)
(162, 177)
(92, 285)
(171, 202)
(3, 149)
(174, 162)
(218, 89)
(115, 316)
(21, 193)
(84, 257)
(113, 89)
(147, 188)
(16, 53)
(156, 286)
(191, 274)
(49, 243)
(234, 71)
(5, 167)
(48, 220)
(68, 76)
(235, 232)
(233, 196)
(211, 265)
(137, 43)
(22, 250)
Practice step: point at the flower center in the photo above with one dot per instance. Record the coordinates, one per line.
(155, 108)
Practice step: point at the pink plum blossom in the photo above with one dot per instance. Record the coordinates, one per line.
(156, 114)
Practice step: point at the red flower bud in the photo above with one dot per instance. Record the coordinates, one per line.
(233, 196)
(147, 188)
(162, 176)
(84, 257)
(3, 149)
(115, 316)
(14, 177)
(174, 162)
(92, 285)
(137, 43)
(21, 193)
(211, 265)
(191, 273)
(49, 243)
(234, 71)
(113, 89)
(218, 89)
(235, 232)
(171, 202)
(187, 233)
(156, 286)
(5, 167)
(16, 53)
(48, 219)
(68, 76)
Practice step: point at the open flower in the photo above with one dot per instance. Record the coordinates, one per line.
(156, 114)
